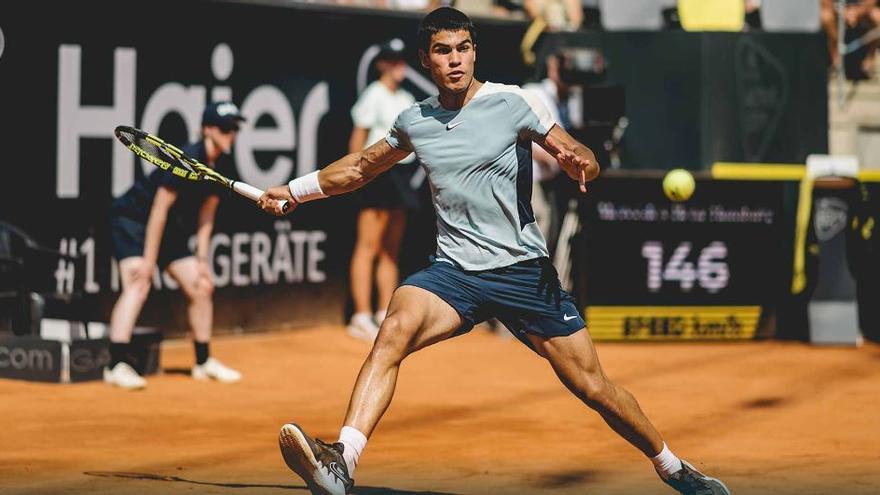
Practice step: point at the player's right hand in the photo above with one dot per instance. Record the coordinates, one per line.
(270, 201)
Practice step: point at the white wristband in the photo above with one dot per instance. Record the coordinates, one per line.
(306, 188)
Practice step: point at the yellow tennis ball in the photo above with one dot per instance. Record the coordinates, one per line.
(679, 184)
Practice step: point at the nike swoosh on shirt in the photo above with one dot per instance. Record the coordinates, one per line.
(567, 318)
(451, 126)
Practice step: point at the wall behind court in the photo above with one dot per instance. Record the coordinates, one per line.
(67, 79)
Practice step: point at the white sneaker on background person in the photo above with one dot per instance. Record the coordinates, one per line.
(379, 317)
(214, 369)
(124, 376)
(362, 327)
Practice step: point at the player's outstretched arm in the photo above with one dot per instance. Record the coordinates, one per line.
(577, 160)
(350, 172)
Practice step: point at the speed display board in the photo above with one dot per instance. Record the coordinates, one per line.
(703, 268)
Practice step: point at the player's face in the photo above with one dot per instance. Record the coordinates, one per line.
(450, 59)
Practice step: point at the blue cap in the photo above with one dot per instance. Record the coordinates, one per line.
(223, 114)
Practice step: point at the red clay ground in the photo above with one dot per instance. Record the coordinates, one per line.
(476, 415)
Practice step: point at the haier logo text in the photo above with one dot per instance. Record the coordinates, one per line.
(77, 121)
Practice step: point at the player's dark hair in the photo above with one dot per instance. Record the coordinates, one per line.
(444, 19)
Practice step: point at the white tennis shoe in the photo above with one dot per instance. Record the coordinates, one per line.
(362, 327)
(124, 376)
(214, 369)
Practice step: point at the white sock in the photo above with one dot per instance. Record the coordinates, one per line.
(380, 316)
(354, 442)
(666, 463)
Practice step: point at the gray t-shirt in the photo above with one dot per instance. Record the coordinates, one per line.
(478, 160)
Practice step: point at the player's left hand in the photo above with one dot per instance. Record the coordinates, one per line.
(574, 165)
(270, 201)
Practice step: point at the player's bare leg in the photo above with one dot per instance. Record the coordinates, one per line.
(196, 283)
(576, 363)
(386, 268)
(416, 318)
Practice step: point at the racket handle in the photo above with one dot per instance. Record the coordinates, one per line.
(254, 194)
(247, 190)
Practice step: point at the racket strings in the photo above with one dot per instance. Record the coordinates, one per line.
(149, 149)
(167, 156)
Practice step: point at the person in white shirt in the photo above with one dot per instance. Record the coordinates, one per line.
(382, 219)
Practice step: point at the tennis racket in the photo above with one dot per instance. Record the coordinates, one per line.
(171, 159)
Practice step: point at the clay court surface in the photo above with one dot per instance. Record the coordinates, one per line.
(476, 415)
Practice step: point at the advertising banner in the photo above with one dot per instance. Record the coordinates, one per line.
(294, 71)
(703, 268)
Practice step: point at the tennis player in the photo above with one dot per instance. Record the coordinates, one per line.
(474, 141)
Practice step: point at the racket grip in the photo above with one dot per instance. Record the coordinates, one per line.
(247, 190)
(254, 194)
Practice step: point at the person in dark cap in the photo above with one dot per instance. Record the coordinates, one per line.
(384, 202)
(150, 227)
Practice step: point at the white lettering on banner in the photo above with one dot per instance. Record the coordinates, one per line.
(315, 255)
(164, 280)
(239, 259)
(252, 258)
(261, 248)
(66, 271)
(650, 213)
(87, 249)
(19, 358)
(712, 272)
(77, 121)
(266, 100)
(188, 102)
(85, 360)
(221, 277)
(315, 106)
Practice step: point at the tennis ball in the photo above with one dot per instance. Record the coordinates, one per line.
(679, 184)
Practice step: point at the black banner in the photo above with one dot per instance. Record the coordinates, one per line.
(707, 268)
(724, 246)
(295, 72)
(31, 358)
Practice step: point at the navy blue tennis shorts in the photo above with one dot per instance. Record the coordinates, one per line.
(526, 297)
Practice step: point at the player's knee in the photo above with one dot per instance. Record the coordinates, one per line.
(392, 343)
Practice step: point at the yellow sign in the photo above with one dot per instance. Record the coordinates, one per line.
(669, 323)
